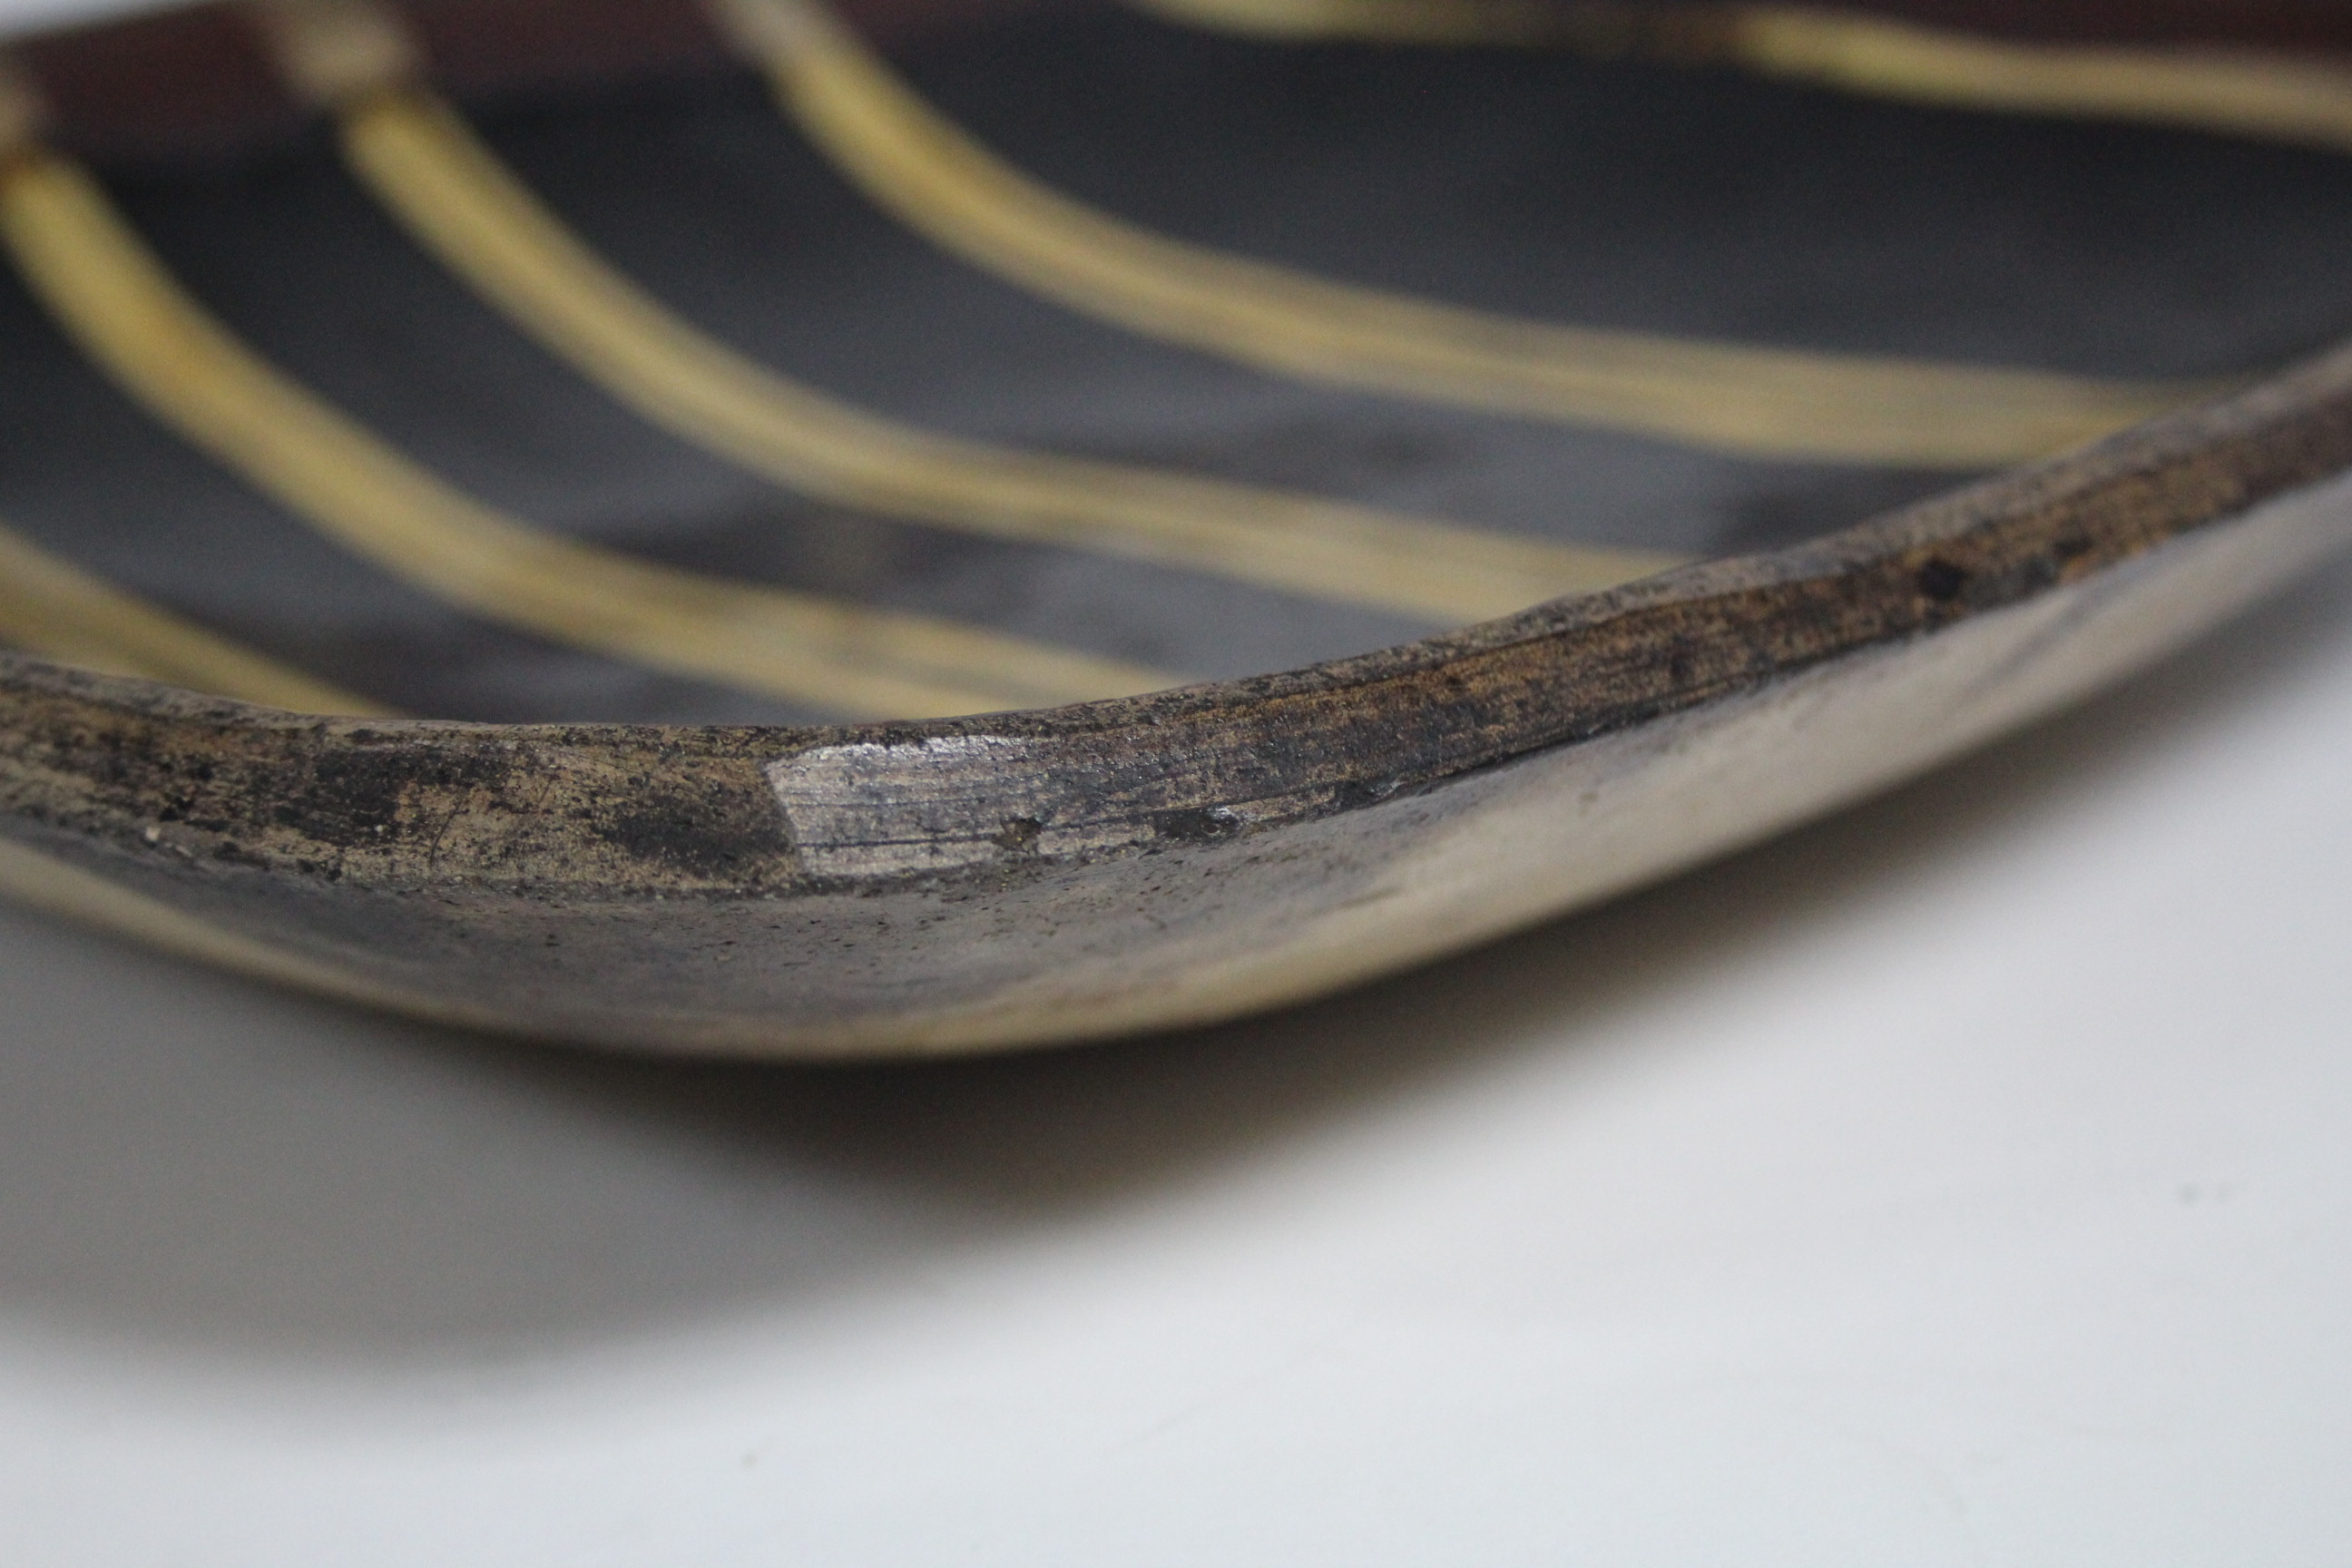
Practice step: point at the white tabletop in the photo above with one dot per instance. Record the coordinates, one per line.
(1962, 1181)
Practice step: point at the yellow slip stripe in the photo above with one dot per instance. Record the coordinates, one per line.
(1765, 401)
(2244, 91)
(50, 607)
(1375, 21)
(161, 345)
(459, 201)
(2247, 92)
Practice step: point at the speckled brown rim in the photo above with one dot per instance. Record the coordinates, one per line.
(393, 845)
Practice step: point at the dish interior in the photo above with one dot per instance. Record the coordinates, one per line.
(1699, 208)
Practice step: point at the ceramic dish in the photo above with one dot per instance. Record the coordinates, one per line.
(766, 529)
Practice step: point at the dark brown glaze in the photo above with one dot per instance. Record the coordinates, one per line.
(190, 83)
(194, 82)
(708, 886)
(2318, 24)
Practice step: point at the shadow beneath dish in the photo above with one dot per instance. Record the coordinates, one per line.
(212, 1171)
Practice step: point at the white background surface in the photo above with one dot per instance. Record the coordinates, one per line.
(1965, 1181)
